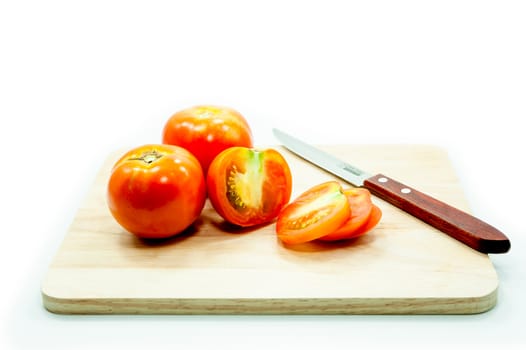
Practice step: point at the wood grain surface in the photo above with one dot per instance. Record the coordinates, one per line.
(403, 266)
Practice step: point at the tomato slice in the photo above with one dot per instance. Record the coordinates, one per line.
(249, 187)
(374, 219)
(315, 213)
(361, 207)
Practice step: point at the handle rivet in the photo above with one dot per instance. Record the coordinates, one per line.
(405, 190)
(382, 179)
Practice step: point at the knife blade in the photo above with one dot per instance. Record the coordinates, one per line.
(458, 224)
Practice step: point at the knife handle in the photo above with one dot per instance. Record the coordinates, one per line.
(462, 226)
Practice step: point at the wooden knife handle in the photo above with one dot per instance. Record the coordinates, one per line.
(462, 226)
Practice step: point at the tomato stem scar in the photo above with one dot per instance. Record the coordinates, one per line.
(148, 157)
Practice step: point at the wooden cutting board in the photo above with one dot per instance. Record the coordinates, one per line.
(403, 266)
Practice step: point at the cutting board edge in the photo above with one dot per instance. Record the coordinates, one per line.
(275, 306)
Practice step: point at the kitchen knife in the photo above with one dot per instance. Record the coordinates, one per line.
(460, 225)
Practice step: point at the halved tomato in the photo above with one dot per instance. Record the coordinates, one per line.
(315, 213)
(361, 208)
(249, 187)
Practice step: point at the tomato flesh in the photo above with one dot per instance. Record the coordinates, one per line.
(315, 213)
(245, 184)
(249, 187)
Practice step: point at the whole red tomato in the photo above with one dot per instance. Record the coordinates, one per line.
(156, 191)
(206, 131)
(249, 187)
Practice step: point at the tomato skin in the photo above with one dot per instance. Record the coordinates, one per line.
(206, 131)
(156, 191)
(249, 187)
(313, 214)
(361, 208)
(374, 219)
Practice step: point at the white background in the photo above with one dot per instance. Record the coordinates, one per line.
(79, 79)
